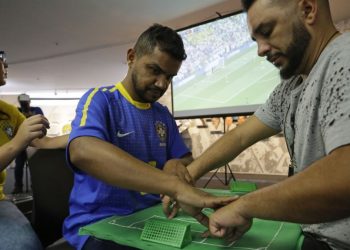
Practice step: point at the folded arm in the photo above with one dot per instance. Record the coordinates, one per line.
(321, 193)
(118, 168)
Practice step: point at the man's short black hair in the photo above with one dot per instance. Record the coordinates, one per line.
(247, 4)
(167, 40)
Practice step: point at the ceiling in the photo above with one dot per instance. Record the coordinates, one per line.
(66, 46)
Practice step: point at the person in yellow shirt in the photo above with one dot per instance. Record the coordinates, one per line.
(16, 134)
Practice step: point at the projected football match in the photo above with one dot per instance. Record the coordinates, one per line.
(223, 73)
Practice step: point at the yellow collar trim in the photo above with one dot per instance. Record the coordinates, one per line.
(140, 105)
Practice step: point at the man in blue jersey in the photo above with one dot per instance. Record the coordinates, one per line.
(121, 138)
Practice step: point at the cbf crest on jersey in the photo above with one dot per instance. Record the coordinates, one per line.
(8, 130)
(161, 132)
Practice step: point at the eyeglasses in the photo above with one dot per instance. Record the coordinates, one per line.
(3, 58)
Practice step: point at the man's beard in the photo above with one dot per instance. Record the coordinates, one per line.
(141, 92)
(296, 51)
(138, 92)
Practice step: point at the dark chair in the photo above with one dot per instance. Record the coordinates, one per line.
(52, 181)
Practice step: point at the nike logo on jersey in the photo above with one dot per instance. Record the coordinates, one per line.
(119, 134)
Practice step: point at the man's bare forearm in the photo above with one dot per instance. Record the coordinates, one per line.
(50, 142)
(318, 194)
(116, 167)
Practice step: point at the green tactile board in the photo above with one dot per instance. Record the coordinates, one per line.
(168, 232)
(242, 186)
(127, 230)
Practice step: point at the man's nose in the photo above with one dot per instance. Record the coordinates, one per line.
(263, 48)
(162, 82)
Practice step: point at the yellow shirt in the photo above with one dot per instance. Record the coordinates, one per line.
(10, 120)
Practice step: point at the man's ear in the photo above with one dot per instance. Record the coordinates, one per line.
(130, 58)
(309, 10)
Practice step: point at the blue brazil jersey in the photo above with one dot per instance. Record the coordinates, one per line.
(146, 131)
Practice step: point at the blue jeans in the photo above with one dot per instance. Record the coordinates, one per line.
(16, 232)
